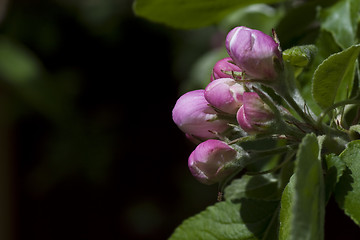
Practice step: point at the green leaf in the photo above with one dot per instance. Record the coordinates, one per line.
(300, 56)
(335, 169)
(326, 46)
(354, 132)
(221, 221)
(302, 203)
(335, 166)
(256, 16)
(227, 220)
(263, 187)
(341, 21)
(347, 191)
(190, 13)
(333, 79)
(260, 217)
(244, 215)
(295, 28)
(355, 128)
(286, 210)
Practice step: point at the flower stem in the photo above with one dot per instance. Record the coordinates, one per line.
(305, 117)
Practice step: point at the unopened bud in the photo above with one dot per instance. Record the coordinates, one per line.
(225, 94)
(254, 52)
(254, 115)
(212, 161)
(193, 115)
(224, 68)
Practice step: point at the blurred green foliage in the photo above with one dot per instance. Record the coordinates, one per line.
(77, 102)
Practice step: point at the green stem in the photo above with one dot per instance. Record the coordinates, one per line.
(334, 106)
(255, 155)
(273, 169)
(286, 88)
(225, 182)
(243, 139)
(308, 119)
(292, 131)
(282, 126)
(330, 130)
(335, 132)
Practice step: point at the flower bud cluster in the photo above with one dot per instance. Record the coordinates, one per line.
(206, 116)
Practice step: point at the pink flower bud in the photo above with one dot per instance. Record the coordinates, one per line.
(253, 51)
(254, 115)
(225, 94)
(222, 66)
(207, 163)
(193, 115)
(193, 139)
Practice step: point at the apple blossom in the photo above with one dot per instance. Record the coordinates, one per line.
(193, 115)
(254, 52)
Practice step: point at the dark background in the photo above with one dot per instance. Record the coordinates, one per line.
(88, 147)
